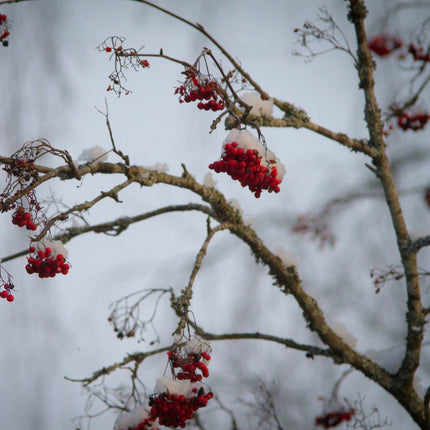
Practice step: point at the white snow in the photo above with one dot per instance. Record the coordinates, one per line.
(96, 153)
(235, 204)
(197, 345)
(132, 419)
(390, 359)
(342, 332)
(259, 106)
(180, 387)
(56, 246)
(209, 181)
(287, 258)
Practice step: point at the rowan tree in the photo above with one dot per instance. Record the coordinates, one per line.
(228, 99)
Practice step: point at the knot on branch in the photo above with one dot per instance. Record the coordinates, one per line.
(357, 11)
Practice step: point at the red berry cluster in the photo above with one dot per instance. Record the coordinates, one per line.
(4, 30)
(245, 166)
(6, 294)
(199, 87)
(414, 122)
(384, 45)
(45, 265)
(21, 168)
(419, 53)
(189, 365)
(333, 419)
(22, 218)
(172, 409)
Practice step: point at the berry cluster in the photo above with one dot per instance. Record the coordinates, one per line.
(333, 419)
(419, 53)
(200, 87)
(189, 365)
(6, 294)
(173, 410)
(178, 399)
(4, 30)
(45, 263)
(22, 218)
(21, 168)
(414, 122)
(246, 167)
(384, 45)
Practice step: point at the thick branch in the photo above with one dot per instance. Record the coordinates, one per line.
(403, 391)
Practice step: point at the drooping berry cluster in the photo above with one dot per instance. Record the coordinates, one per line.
(45, 263)
(22, 218)
(178, 399)
(6, 285)
(4, 30)
(384, 44)
(6, 293)
(419, 52)
(202, 88)
(189, 365)
(246, 167)
(173, 410)
(333, 419)
(407, 121)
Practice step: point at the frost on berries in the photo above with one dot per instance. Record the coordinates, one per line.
(176, 398)
(200, 88)
(47, 259)
(247, 160)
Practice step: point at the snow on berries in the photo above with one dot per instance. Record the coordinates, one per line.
(384, 44)
(47, 259)
(176, 398)
(201, 88)
(247, 160)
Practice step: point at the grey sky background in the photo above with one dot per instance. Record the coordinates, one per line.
(53, 79)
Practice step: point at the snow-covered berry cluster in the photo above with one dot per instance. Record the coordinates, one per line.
(246, 159)
(384, 44)
(22, 218)
(4, 30)
(333, 419)
(419, 52)
(176, 399)
(47, 261)
(408, 121)
(202, 88)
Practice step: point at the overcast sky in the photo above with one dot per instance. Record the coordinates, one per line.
(53, 79)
